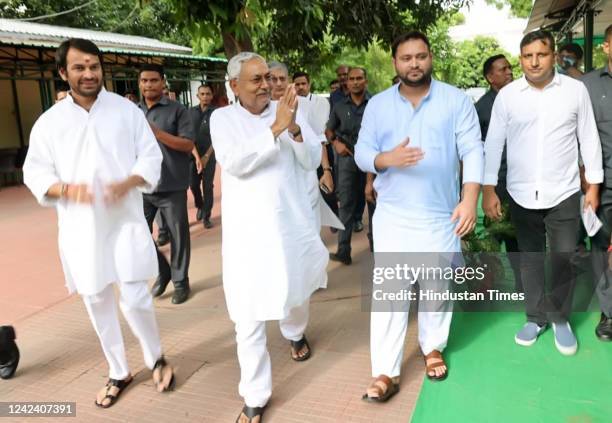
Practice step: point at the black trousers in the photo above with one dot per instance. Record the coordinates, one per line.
(371, 209)
(161, 224)
(510, 242)
(560, 225)
(360, 207)
(600, 242)
(173, 208)
(351, 185)
(201, 186)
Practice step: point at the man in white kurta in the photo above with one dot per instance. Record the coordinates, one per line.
(272, 266)
(413, 136)
(307, 111)
(315, 111)
(87, 155)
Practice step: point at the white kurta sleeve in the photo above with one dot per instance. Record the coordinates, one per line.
(469, 141)
(319, 116)
(496, 139)
(239, 155)
(588, 137)
(39, 171)
(308, 152)
(148, 154)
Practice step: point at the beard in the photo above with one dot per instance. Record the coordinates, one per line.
(425, 79)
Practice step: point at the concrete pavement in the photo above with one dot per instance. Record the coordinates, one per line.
(62, 359)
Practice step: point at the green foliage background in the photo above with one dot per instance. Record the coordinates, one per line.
(315, 36)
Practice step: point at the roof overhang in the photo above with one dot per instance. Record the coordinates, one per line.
(555, 14)
(28, 34)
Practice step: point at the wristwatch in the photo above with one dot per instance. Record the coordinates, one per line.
(327, 168)
(297, 133)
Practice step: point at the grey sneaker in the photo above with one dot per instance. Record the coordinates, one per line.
(529, 334)
(565, 341)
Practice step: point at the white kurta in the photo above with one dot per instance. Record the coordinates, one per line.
(315, 110)
(273, 256)
(98, 244)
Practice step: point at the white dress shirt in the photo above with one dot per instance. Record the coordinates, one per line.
(317, 113)
(543, 129)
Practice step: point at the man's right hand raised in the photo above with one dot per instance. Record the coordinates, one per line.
(401, 156)
(285, 111)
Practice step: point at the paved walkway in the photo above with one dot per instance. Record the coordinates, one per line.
(62, 360)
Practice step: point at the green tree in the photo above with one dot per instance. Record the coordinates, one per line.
(152, 19)
(518, 8)
(375, 59)
(301, 29)
(469, 58)
(457, 63)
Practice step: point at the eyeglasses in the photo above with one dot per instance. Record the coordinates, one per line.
(259, 79)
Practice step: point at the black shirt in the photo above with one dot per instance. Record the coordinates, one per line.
(345, 119)
(484, 106)
(173, 118)
(336, 97)
(201, 127)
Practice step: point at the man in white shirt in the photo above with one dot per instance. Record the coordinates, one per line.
(546, 119)
(270, 269)
(91, 156)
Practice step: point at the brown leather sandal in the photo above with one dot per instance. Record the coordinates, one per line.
(384, 394)
(431, 368)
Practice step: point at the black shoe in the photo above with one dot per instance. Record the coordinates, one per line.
(344, 259)
(358, 227)
(181, 292)
(208, 224)
(163, 238)
(199, 214)
(604, 328)
(9, 353)
(159, 287)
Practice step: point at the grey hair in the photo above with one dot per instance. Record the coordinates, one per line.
(274, 65)
(235, 64)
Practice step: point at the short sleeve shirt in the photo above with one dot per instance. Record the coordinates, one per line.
(345, 119)
(173, 118)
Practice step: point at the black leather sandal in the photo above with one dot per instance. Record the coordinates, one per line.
(251, 413)
(296, 347)
(119, 384)
(160, 365)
